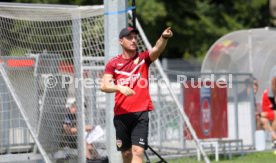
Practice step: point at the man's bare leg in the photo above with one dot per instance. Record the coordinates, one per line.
(88, 153)
(274, 122)
(137, 154)
(127, 156)
(267, 126)
(258, 122)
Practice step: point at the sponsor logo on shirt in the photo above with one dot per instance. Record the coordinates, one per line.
(129, 80)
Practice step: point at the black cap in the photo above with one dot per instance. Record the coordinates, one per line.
(126, 31)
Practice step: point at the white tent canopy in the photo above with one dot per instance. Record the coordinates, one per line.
(245, 51)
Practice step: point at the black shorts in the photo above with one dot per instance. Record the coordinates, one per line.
(131, 129)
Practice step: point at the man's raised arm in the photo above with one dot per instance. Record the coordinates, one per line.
(160, 44)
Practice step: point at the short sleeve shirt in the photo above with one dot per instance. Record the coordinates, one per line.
(134, 74)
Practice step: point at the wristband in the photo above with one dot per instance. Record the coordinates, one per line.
(166, 38)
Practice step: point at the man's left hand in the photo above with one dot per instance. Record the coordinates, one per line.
(167, 33)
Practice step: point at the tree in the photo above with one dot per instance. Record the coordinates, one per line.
(196, 24)
(72, 2)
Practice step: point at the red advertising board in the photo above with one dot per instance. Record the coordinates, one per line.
(206, 107)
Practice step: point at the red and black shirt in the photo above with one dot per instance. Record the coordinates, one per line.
(134, 74)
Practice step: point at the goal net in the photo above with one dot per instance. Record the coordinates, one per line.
(52, 57)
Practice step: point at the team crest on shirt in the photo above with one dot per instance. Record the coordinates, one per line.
(119, 143)
(136, 61)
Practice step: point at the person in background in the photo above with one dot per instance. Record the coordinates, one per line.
(245, 94)
(70, 130)
(257, 104)
(268, 114)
